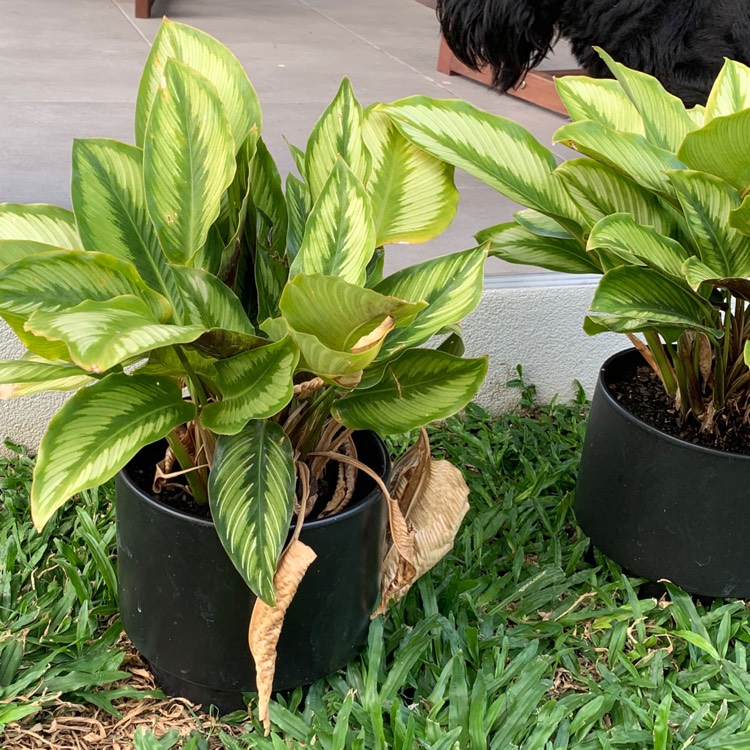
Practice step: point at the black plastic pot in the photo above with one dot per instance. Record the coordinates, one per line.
(187, 610)
(659, 506)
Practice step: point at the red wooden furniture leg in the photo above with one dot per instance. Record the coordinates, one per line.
(537, 88)
(143, 8)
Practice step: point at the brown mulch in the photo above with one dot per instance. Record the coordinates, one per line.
(71, 726)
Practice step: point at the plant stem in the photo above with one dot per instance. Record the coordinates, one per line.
(197, 487)
(666, 371)
(194, 384)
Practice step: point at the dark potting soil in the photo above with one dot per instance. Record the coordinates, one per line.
(640, 392)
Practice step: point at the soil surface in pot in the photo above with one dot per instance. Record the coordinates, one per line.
(174, 494)
(640, 392)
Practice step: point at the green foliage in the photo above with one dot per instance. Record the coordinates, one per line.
(659, 209)
(185, 264)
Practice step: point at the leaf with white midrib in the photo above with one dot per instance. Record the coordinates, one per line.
(110, 206)
(251, 494)
(98, 431)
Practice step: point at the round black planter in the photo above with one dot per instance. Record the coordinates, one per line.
(659, 506)
(187, 610)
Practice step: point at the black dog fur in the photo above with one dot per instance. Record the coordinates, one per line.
(683, 43)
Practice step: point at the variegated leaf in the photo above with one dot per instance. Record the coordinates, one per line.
(268, 198)
(730, 92)
(298, 204)
(13, 250)
(664, 116)
(110, 207)
(720, 148)
(22, 377)
(451, 285)
(413, 195)
(599, 191)
(98, 431)
(253, 385)
(336, 337)
(188, 161)
(627, 153)
(516, 244)
(212, 60)
(339, 237)
(643, 294)
(39, 222)
(100, 335)
(251, 493)
(494, 149)
(634, 242)
(707, 203)
(337, 134)
(419, 387)
(601, 100)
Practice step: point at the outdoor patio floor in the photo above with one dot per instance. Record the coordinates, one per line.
(71, 69)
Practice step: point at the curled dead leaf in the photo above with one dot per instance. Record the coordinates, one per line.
(303, 391)
(266, 622)
(163, 471)
(375, 336)
(432, 498)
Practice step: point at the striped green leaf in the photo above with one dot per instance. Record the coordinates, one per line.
(213, 61)
(739, 218)
(253, 385)
(13, 250)
(337, 134)
(100, 335)
(664, 116)
(22, 377)
(494, 149)
(720, 148)
(209, 303)
(419, 387)
(539, 224)
(627, 153)
(730, 92)
(646, 295)
(599, 191)
(109, 201)
(516, 244)
(98, 431)
(327, 317)
(634, 242)
(39, 222)
(707, 203)
(339, 237)
(451, 285)
(298, 205)
(62, 279)
(601, 100)
(251, 493)
(268, 197)
(413, 195)
(188, 161)
(697, 273)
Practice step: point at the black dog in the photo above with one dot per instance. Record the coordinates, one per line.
(683, 43)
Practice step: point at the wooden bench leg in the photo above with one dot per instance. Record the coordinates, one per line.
(143, 8)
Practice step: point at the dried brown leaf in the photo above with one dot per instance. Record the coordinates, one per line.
(433, 497)
(375, 336)
(266, 622)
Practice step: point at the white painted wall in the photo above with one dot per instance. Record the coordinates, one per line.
(534, 320)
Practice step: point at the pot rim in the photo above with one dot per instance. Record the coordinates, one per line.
(639, 423)
(318, 523)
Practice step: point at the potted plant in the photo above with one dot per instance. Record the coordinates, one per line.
(237, 356)
(660, 209)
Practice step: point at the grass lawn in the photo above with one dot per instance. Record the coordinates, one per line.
(519, 639)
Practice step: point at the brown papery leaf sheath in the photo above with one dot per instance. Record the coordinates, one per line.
(433, 498)
(266, 622)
